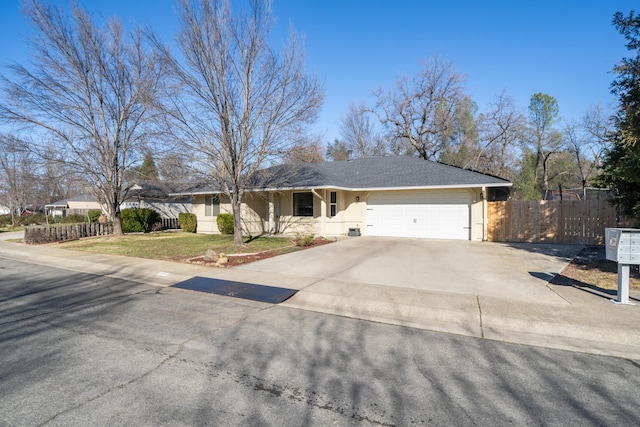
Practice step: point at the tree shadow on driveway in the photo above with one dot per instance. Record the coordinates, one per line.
(561, 252)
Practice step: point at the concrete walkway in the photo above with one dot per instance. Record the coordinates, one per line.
(533, 313)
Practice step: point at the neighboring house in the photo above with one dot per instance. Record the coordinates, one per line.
(157, 196)
(4, 210)
(143, 195)
(385, 196)
(75, 205)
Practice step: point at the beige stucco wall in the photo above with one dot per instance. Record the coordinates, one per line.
(287, 223)
(352, 213)
(256, 219)
(254, 214)
(349, 214)
(207, 224)
(477, 215)
(83, 205)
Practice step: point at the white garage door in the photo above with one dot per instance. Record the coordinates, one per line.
(428, 214)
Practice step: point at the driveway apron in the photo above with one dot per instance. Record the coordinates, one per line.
(506, 271)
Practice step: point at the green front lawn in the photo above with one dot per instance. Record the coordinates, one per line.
(11, 229)
(173, 246)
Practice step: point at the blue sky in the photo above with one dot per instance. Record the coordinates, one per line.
(563, 48)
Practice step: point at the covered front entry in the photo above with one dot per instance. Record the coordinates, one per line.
(442, 214)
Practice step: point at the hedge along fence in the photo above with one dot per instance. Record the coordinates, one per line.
(64, 232)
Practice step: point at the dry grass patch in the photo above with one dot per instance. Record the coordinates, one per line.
(590, 268)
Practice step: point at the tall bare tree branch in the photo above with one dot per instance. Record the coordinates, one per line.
(237, 101)
(359, 133)
(87, 94)
(501, 133)
(420, 111)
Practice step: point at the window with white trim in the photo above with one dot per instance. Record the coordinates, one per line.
(303, 204)
(211, 205)
(333, 204)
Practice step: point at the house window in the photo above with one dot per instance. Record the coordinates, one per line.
(333, 204)
(211, 205)
(302, 204)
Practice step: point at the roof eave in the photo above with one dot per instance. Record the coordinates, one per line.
(338, 187)
(429, 187)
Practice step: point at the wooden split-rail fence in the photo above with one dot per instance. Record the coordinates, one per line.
(64, 232)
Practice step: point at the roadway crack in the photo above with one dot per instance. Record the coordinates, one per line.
(312, 398)
(122, 385)
(634, 363)
(480, 314)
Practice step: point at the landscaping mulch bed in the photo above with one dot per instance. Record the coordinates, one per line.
(242, 259)
(590, 268)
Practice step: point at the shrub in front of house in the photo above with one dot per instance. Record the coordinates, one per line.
(34, 219)
(94, 215)
(25, 219)
(73, 219)
(225, 223)
(303, 240)
(138, 220)
(5, 220)
(188, 222)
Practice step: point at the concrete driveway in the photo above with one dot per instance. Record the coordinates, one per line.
(506, 271)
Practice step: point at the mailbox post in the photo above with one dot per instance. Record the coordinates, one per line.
(623, 246)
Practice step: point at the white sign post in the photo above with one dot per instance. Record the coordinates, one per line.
(623, 246)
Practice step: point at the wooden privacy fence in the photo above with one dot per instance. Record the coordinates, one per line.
(566, 222)
(63, 232)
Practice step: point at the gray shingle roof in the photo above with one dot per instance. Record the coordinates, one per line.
(373, 173)
(79, 198)
(366, 174)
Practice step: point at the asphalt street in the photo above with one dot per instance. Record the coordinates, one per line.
(82, 349)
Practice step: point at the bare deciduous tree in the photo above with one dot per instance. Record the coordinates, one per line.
(587, 141)
(359, 133)
(420, 111)
(576, 143)
(598, 127)
(239, 101)
(306, 149)
(87, 95)
(18, 182)
(173, 167)
(501, 133)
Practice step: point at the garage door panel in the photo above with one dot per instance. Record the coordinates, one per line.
(439, 215)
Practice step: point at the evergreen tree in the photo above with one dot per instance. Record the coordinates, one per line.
(148, 170)
(621, 167)
(337, 151)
